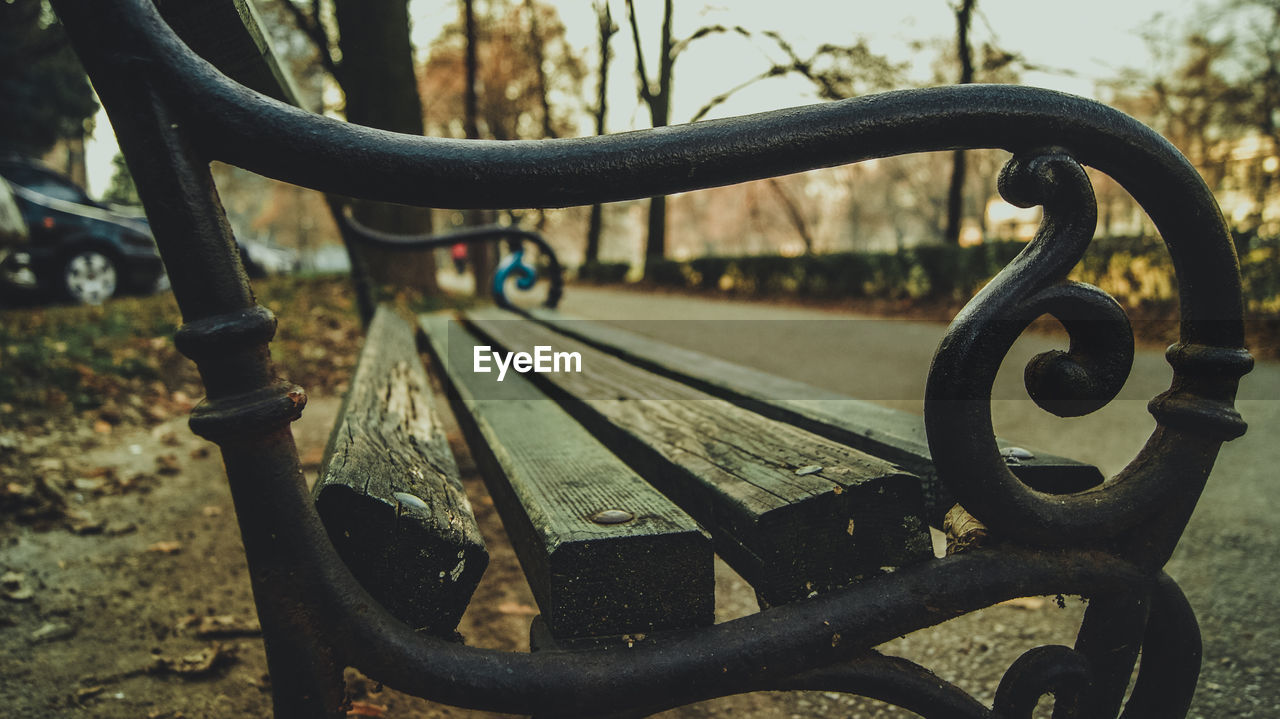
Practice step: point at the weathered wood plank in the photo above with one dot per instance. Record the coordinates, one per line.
(793, 512)
(551, 481)
(888, 433)
(389, 493)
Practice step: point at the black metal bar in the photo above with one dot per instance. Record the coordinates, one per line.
(1110, 638)
(1051, 669)
(1171, 651)
(360, 281)
(516, 236)
(247, 410)
(174, 113)
(724, 659)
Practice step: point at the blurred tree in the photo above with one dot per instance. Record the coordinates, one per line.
(655, 92)
(527, 77)
(44, 94)
(1260, 60)
(373, 64)
(1211, 86)
(606, 29)
(1251, 30)
(955, 193)
(837, 72)
(121, 191)
(504, 71)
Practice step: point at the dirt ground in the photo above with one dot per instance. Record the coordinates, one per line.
(126, 592)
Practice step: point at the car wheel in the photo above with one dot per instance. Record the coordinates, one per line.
(90, 277)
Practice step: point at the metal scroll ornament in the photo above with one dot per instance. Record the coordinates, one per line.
(1068, 384)
(515, 265)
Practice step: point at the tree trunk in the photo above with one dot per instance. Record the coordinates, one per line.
(381, 91)
(656, 247)
(659, 102)
(595, 226)
(483, 255)
(955, 193)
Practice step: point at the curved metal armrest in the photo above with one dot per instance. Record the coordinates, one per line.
(512, 264)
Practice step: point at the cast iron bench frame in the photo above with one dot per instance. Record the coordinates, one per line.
(173, 113)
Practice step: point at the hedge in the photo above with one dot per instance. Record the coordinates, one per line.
(1135, 270)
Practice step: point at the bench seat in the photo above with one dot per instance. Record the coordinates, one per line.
(794, 513)
(894, 435)
(389, 491)
(604, 552)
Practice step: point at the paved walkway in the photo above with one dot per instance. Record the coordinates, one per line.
(1226, 562)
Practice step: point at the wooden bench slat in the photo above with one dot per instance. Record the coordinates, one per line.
(793, 512)
(888, 433)
(389, 492)
(549, 478)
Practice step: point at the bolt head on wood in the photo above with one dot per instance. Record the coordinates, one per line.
(612, 516)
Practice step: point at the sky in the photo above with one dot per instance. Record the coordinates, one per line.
(1093, 39)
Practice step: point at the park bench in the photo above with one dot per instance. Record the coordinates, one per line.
(617, 484)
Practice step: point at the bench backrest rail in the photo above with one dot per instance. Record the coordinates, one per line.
(173, 113)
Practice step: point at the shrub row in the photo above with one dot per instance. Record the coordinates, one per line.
(921, 272)
(1136, 270)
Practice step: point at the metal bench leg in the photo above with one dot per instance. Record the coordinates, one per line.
(306, 670)
(248, 410)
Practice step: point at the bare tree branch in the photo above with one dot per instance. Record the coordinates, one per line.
(723, 97)
(538, 58)
(313, 28)
(702, 32)
(797, 218)
(642, 75)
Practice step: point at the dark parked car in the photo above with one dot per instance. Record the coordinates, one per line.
(82, 250)
(263, 260)
(13, 229)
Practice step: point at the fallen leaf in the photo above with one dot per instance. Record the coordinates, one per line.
(263, 682)
(366, 709)
(14, 587)
(222, 626)
(517, 608)
(116, 529)
(133, 482)
(51, 464)
(1025, 603)
(167, 547)
(84, 523)
(102, 426)
(86, 692)
(88, 485)
(50, 632)
(194, 664)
